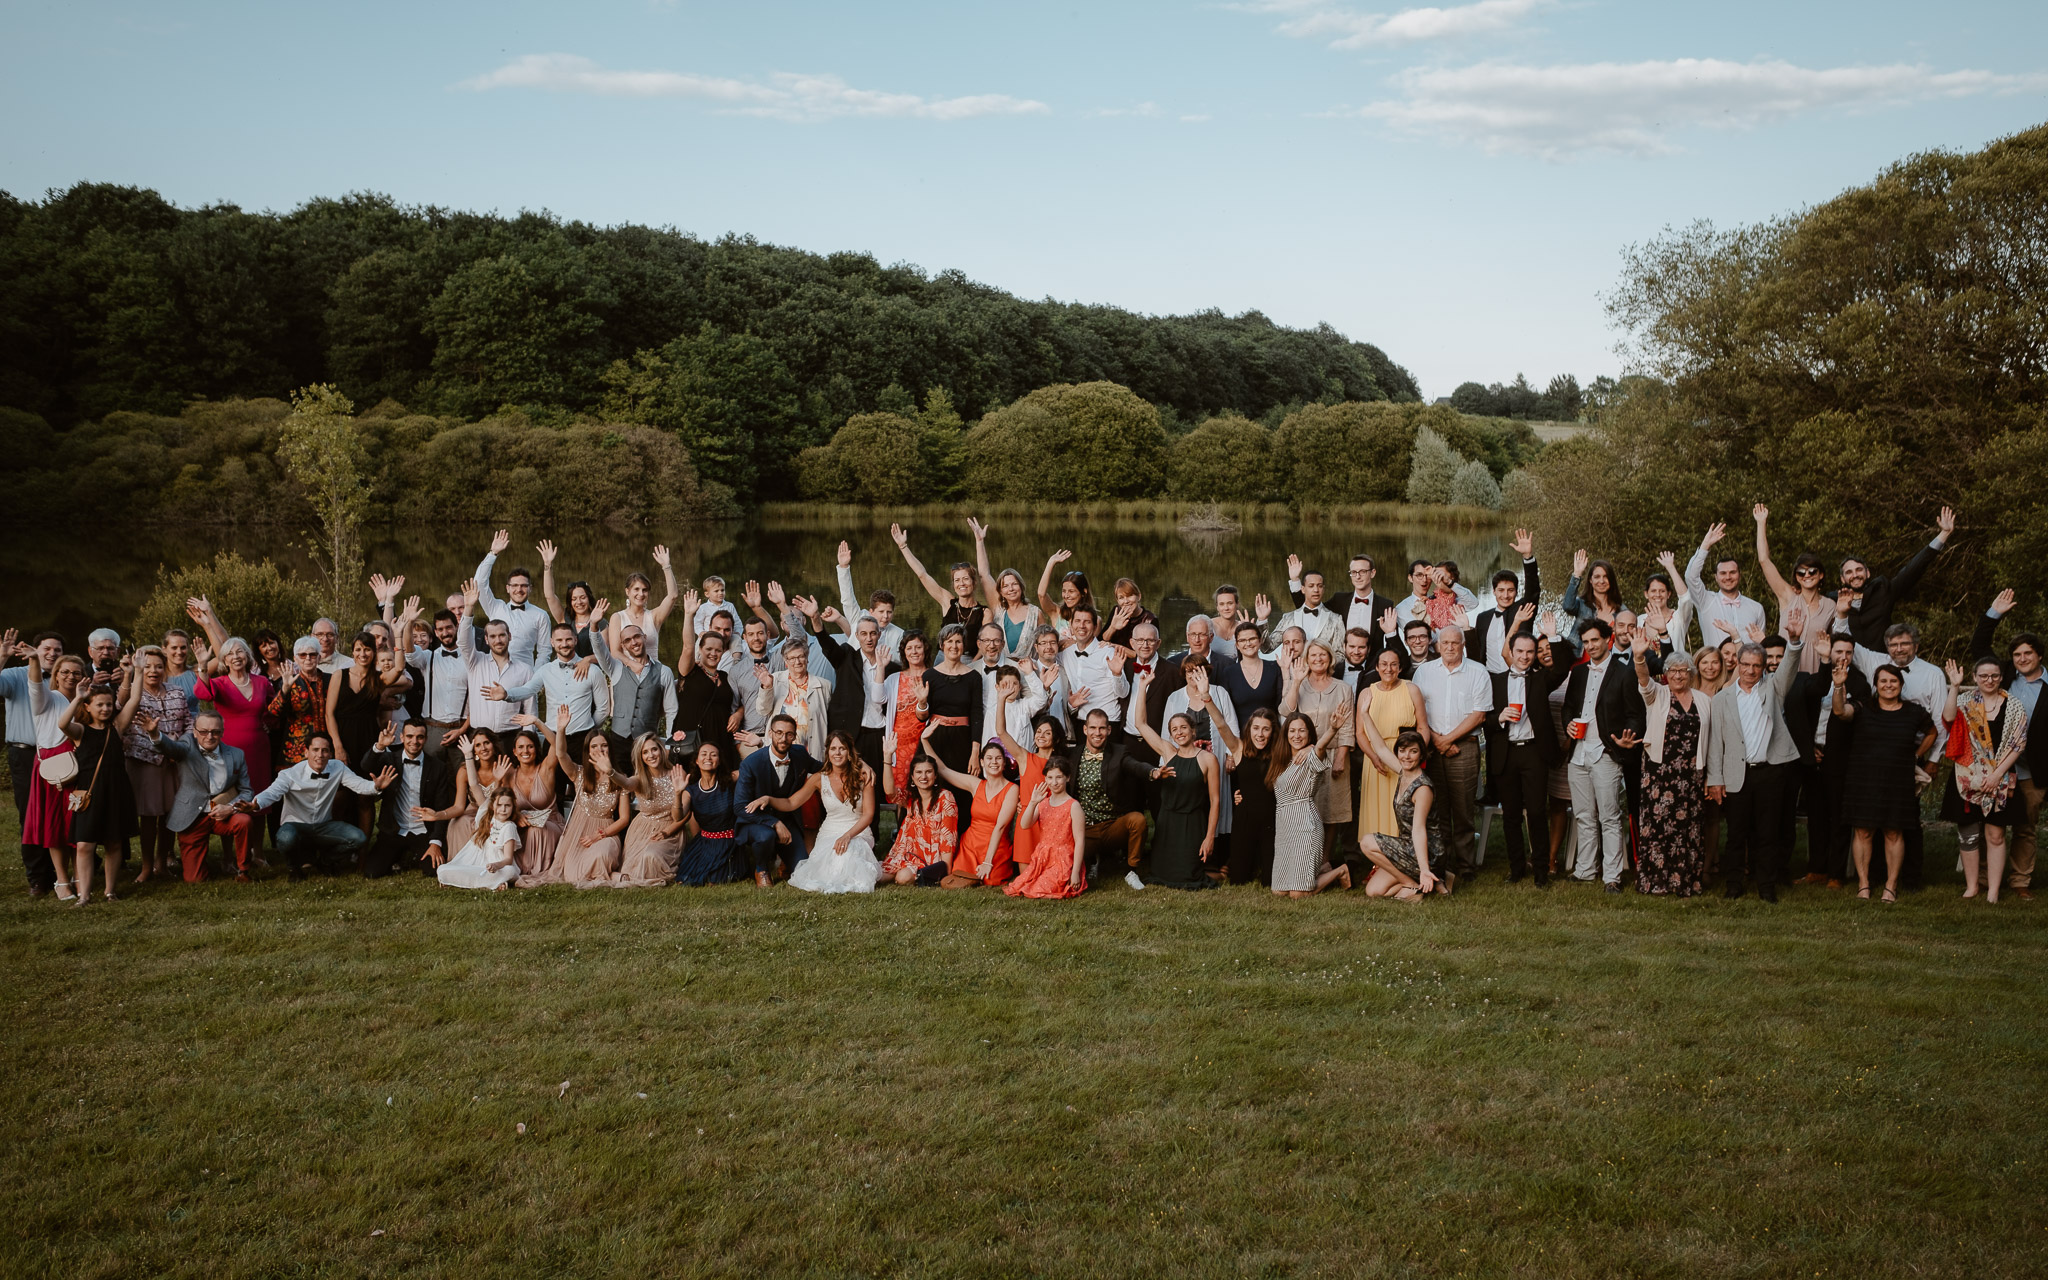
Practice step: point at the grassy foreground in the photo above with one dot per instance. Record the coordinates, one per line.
(327, 1079)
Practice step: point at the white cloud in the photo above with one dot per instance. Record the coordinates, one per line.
(1347, 28)
(784, 96)
(1150, 110)
(1634, 107)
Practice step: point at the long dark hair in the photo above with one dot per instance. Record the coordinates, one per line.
(846, 778)
(1087, 593)
(1283, 750)
(1613, 601)
(915, 804)
(1254, 753)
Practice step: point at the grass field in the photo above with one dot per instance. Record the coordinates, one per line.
(327, 1079)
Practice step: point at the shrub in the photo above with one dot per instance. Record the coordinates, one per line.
(1431, 468)
(1474, 486)
(1229, 458)
(1068, 443)
(1339, 453)
(509, 471)
(248, 597)
(1521, 491)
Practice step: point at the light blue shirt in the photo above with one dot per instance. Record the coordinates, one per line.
(2025, 688)
(21, 721)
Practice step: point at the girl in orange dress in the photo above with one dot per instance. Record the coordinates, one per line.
(1047, 741)
(905, 726)
(984, 856)
(929, 832)
(1056, 871)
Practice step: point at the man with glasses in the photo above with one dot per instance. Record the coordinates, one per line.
(212, 778)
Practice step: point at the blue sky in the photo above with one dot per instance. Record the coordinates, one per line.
(1454, 184)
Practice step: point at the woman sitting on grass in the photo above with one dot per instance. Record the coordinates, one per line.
(491, 858)
(929, 828)
(1401, 864)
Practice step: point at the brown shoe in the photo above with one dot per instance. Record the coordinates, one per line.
(761, 878)
(1813, 877)
(2024, 895)
(1834, 884)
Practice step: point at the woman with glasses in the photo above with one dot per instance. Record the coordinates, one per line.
(1802, 593)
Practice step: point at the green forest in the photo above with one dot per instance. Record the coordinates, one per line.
(114, 301)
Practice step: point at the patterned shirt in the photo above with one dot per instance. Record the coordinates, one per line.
(1095, 803)
(173, 712)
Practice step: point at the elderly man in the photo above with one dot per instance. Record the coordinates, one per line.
(1456, 696)
(527, 623)
(103, 656)
(1750, 759)
(332, 659)
(1143, 662)
(1606, 720)
(212, 778)
(1170, 676)
(1926, 686)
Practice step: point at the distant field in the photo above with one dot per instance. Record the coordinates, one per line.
(327, 1078)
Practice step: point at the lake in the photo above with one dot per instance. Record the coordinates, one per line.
(96, 574)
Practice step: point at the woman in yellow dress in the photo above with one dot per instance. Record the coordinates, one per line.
(1385, 708)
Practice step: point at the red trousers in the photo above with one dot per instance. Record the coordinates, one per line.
(192, 843)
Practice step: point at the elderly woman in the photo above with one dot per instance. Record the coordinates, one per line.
(798, 694)
(152, 779)
(1315, 692)
(1987, 731)
(1670, 823)
(238, 690)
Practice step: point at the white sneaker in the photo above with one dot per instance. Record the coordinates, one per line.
(1131, 879)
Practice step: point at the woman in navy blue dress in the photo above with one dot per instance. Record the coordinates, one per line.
(708, 798)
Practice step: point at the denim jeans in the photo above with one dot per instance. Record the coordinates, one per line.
(301, 842)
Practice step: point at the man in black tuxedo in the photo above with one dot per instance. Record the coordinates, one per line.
(408, 823)
(1359, 607)
(1603, 762)
(1521, 750)
(1490, 630)
(1107, 780)
(1824, 757)
(778, 770)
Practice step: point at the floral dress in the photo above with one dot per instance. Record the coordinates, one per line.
(1670, 826)
(300, 709)
(925, 835)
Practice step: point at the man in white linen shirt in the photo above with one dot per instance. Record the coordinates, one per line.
(308, 828)
(1456, 696)
(527, 622)
(492, 667)
(1724, 611)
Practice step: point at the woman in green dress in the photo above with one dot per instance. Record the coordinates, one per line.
(1188, 795)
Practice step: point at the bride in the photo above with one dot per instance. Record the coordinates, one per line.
(842, 858)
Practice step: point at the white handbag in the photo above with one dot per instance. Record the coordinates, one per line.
(58, 769)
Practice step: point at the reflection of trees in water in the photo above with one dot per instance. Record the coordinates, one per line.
(86, 578)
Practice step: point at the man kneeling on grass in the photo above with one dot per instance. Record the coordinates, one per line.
(308, 790)
(1102, 773)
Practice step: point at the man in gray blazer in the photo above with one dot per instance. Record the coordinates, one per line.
(212, 778)
(1751, 757)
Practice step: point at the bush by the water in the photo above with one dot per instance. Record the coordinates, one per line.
(1068, 443)
(888, 458)
(246, 596)
(1229, 458)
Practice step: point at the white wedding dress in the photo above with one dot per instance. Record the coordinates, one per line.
(824, 871)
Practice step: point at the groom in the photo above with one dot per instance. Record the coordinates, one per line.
(778, 772)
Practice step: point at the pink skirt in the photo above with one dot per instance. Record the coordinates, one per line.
(48, 822)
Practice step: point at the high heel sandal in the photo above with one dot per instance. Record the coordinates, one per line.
(1863, 892)
(65, 893)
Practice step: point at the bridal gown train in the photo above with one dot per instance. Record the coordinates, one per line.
(824, 871)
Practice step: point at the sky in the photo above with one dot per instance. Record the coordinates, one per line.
(1455, 184)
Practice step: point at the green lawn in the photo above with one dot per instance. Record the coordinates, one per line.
(255, 1080)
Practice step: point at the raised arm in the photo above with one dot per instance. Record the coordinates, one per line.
(931, 588)
(751, 593)
(947, 773)
(1145, 730)
(499, 541)
(988, 581)
(1693, 582)
(1907, 579)
(200, 610)
(1046, 605)
(1775, 580)
(849, 599)
(668, 579)
(546, 547)
(558, 752)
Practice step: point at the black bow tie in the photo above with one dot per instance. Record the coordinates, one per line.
(1080, 653)
(565, 664)
(450, 650)
(1312, 610)
(412, 762)
(518, 606)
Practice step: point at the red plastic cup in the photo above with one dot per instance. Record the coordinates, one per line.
(1514, 712)
(1578, 727)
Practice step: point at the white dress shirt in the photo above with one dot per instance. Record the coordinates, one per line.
(1755, 712)
(1741, 613)
(874, 711)
(1088, 669)
(1590, 749)
(529, 623)
(309, 797)
(484, 669)
(407, 791)
(1451, 696)
(445, 678)
(1029, 702)
(1518, 693)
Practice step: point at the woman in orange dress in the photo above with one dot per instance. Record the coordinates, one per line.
(984, 856)
(1056, 870)
(929, 832)
(905, 731)
(1047, 741)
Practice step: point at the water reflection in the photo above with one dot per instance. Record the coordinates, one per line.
(96, 576)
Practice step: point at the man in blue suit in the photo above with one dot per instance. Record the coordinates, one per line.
(776, 771)
(212, 778)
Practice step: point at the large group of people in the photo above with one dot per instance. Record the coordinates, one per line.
(1044, 742)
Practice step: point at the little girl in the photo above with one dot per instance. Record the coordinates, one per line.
(1055, 870)
(487, 861)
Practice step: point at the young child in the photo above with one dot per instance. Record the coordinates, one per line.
(714, 603)
(487, 861)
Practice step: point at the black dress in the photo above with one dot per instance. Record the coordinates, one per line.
(1183, 822)
(1245, 697)
(1251, 823)
(110, 817)
(1879, 794)
(355, 714)
(958, 698)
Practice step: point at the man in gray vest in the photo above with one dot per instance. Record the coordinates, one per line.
(643, 691)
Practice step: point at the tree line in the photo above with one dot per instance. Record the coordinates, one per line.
(1856, 366)
(113, 300)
